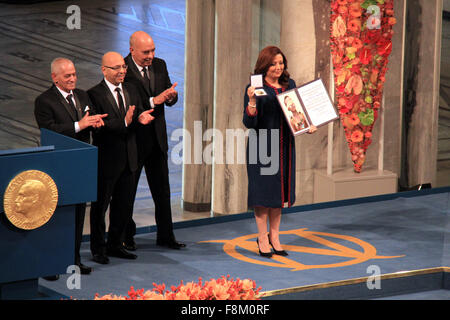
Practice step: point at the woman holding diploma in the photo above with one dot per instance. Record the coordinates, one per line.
(268, 193)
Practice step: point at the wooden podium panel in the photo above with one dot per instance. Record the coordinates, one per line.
(347, 184)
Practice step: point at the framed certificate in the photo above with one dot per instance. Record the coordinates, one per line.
(257, 81)
(310, 99)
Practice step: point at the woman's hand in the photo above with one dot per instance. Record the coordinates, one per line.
(312, 129)
(251, 95)
(252, 101)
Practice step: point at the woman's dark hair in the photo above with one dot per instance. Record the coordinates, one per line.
(265, 60)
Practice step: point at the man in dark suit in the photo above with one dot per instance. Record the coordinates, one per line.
(66, 110)
(117, 157)
(149, 74)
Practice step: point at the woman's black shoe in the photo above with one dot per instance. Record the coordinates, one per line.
(281, 252)
(263, 254)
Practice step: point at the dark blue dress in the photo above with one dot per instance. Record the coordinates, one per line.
(271, 183)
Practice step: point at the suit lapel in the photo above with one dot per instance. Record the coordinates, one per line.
(78, 105)
(65, 104)
(152, 78)
(127, 98)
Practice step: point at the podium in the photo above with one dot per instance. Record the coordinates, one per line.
(27, 255)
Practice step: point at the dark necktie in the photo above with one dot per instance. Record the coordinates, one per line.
(121, 105)
(146, 78)
(70, 101)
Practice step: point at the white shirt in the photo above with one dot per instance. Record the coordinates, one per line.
(65, 94)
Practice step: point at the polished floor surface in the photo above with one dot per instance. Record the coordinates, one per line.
(325, 245)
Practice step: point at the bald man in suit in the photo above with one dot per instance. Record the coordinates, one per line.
(150, 76)
(117, 157)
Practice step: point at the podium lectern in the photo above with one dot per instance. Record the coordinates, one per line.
(26, 255)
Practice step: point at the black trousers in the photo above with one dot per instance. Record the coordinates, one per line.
(117, 193)
(80, 210)
(154, 161)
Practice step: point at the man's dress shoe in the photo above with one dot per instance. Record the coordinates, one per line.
(172, 244)
(100, 258)
(130, 245)
(120, 253)
(84, 269)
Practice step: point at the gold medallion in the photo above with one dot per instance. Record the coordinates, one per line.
(30, 199)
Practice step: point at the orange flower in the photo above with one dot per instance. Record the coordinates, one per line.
(392, 21)
(357, 136)
(355, 10)
(350, 50)
(342, 2)
(354, 25)
(342, 10)
(353, 119)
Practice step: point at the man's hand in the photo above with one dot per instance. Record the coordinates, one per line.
(145, 117)
(166, 95)
(129, 115)
(91, 121)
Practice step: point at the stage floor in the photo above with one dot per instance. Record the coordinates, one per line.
(324, 244)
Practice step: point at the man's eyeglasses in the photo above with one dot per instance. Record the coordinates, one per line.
(117, 68)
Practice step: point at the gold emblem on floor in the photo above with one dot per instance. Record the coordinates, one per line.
(350, 255)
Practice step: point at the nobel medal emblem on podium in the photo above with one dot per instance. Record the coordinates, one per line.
(30, 199)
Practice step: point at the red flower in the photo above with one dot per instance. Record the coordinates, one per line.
(372, 36)
(357, 43)
(384, 48)
(365, 56)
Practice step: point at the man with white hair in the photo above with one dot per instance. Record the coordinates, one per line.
(67, 110)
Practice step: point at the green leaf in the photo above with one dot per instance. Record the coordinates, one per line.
(367, 118)
(368, 3)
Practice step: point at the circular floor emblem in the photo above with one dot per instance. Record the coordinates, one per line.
(345, 255)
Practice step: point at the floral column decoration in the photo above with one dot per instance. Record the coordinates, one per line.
(361, 33)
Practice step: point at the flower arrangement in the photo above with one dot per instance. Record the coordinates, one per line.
(224, 288)
(361, 33)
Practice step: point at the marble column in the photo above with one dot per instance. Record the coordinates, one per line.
(198, 103)
(393, 93)
(232, 70)
(299, 42)
(422, 89)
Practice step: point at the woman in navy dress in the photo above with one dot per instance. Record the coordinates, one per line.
(271, 184)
